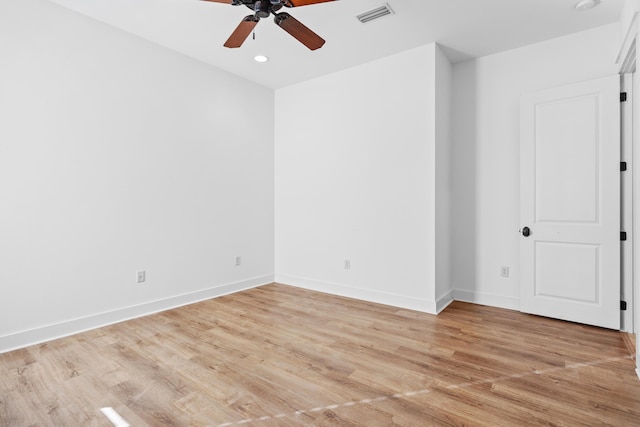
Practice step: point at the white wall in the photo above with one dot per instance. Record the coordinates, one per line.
(355, 179)
(117, 155)
(485, 173)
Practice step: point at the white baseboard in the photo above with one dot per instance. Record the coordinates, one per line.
(638, 372)
(487, 299)
(402, 301)
(444, 301)
(70, 327)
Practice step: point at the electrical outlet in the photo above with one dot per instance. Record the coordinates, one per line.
(347, 264)
(238, 260)
(504, 271)
(142, 276)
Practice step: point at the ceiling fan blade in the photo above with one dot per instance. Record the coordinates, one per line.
(299, 31)
(221, 1)
(242, 31)
(296, 3)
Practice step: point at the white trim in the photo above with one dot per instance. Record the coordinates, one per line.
(402, 301)
(635, 221)
(444, 301)
(510, 303)
(626, 207)
(627, 62)
(70, 327)
(629, 39)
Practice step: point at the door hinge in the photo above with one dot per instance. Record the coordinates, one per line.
(623, 305)
(623, 166)
(623, 96)
(623, 235)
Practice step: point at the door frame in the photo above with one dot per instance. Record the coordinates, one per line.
(627, 317)
(627, 59)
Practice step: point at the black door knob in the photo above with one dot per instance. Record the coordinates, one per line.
(526, 232)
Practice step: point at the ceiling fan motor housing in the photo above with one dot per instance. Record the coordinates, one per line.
(263, 8)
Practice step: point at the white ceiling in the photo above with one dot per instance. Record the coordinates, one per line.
(464, 28)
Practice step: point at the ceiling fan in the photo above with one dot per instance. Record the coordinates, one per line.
(264, 8)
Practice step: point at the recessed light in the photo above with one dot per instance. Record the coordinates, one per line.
(587, 4)
(261, 58)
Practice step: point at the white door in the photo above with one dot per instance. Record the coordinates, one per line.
(570, 203)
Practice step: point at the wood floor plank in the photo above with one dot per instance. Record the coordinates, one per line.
(283, 356)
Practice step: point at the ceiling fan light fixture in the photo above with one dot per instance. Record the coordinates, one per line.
(583, 5)
(261, 58)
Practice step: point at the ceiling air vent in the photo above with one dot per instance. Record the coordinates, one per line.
(376, 13)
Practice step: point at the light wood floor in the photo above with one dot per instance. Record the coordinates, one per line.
(281, 356)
